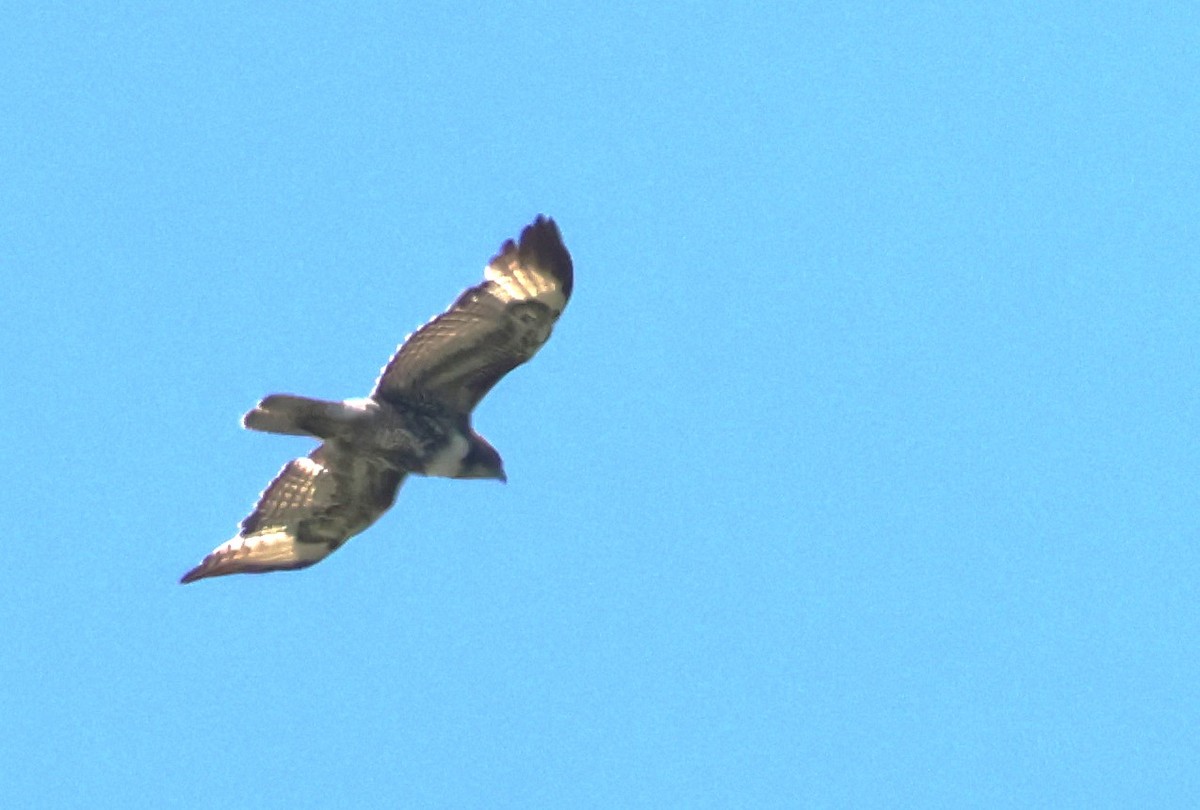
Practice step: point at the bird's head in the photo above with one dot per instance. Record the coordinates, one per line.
(482, 461)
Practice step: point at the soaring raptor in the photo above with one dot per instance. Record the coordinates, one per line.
(417, 420)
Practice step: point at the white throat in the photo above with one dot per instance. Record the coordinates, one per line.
(447, 461)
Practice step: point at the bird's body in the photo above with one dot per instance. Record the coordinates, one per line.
(424, 438)
(417, 420)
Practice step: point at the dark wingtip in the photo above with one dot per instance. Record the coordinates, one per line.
(541, 243)
(204, 570)
(208, 568)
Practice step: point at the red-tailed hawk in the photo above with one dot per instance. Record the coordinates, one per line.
(417, 420)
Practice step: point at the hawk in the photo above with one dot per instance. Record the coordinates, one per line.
(416, 421)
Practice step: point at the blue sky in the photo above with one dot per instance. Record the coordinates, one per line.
(861, 470)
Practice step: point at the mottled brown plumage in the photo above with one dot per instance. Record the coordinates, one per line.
(417, 419)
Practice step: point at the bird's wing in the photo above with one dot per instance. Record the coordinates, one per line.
(313, 506)
(491, 329)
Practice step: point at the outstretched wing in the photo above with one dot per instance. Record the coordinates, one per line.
(312, 507)
(491, 329)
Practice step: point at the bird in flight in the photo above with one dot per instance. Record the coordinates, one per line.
(417, 419)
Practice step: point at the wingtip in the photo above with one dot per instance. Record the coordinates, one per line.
(215, 564)
(541, 225)
(204, 570)
(541, 242)
(191, 576)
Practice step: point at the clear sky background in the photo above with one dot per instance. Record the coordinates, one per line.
(860, 471)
